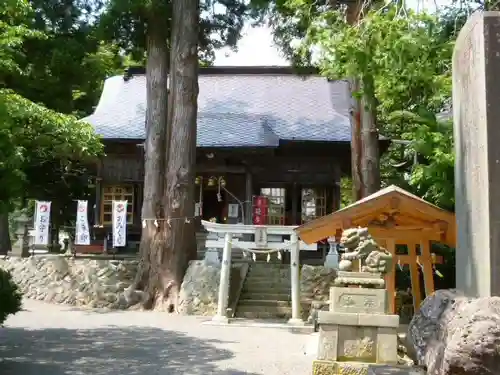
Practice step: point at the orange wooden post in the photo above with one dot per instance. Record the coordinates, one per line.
(390, 278)
(414, 276)
(425, 250)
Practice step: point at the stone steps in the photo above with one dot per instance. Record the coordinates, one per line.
(264, 302)
(266, 292)
(264, 315)
(265, 296)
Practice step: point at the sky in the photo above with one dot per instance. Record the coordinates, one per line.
(256, 47)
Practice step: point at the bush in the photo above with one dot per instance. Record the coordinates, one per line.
(10, 296)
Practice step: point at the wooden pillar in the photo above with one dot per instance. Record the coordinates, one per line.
(414, 276)
(294, 204)
(248, 197)
(97, 205)
(138, 197)
(390, 278)
(425, 251)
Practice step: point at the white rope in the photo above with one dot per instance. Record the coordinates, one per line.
(254, 252)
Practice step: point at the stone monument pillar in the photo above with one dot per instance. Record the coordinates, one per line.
(357, 331)
(476, 114)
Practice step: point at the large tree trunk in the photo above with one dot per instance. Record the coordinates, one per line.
(5, 245)
(365, 158)
(181, 160)
(152, 246)
(356, 150)
(370, 161)
(353, 14)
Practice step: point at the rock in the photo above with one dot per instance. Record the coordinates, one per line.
(200, 288)
(99, 283)
(315, 282)
(454, 334)
(81, 282)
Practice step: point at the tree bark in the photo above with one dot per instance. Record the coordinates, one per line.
(181, 153)
(352, 15)
(370, 160)
(365, 155)
(356, 149)
(5, 245)
(152, 246)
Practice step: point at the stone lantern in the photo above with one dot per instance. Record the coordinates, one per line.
(23, 239)
(332, 258)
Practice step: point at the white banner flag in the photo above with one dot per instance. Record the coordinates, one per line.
(82, 235)
(119, 223)
(42, 222)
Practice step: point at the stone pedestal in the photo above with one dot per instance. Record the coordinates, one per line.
(356, 332)
(358, 300)
(395, 370)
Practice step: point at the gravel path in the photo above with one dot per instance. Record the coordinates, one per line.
(55, 340)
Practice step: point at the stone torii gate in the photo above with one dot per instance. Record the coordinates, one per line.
(263, 234)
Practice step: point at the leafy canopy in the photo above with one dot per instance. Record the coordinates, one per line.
(32, 136)
(403, 59)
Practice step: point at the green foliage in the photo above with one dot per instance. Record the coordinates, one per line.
(125, 23)
(346, 192)
(39, 148)
(58, 61)
(34, 140)
(65, 65)
(403, 60)
(10, 296)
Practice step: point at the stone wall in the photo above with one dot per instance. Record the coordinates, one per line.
(200, 288)
(103, 283)
(95, 283)
(315, 282)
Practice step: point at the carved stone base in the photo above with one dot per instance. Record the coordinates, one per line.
(339, 368)
(368, 338)
(358, 300)
(359, 368)
(364, 279)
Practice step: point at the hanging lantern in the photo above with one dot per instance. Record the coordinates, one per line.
(222, 182)
(211, 181)
(279, 255)
(198, 180)
(268, 257)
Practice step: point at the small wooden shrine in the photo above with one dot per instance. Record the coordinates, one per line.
(394, 217)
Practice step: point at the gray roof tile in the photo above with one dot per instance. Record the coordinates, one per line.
(253, 110)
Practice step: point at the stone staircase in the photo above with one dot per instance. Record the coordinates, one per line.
(266, 292)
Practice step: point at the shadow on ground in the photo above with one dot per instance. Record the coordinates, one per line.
(110, 351)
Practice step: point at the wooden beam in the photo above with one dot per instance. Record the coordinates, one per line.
(427, 260)
(404, 236)
(220, 169)
(405, 259)
(390, 278)
(414, 276)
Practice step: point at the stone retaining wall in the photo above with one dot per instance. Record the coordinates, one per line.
(200, 288)
(103, 283)
(95, 283)
(315, 282)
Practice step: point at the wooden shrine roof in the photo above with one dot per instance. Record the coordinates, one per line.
(389, 213)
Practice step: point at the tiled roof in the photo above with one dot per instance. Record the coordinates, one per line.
(237, 110)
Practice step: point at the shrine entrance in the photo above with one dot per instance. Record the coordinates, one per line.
(393, 217)
(266, 240)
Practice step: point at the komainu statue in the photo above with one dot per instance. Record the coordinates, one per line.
(362, 249)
